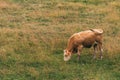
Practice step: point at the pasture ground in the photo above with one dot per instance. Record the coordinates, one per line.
(34, 33)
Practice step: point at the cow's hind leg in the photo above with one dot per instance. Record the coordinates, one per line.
(95, 46)
(101, 51)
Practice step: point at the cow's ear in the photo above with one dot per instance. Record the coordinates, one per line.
(65, 51)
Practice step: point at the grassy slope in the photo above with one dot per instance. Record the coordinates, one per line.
(33, 34)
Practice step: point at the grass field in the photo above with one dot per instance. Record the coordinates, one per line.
(34, 33)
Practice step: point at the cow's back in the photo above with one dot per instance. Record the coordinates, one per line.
(85, 38)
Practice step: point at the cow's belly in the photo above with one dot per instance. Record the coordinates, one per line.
(88, 44)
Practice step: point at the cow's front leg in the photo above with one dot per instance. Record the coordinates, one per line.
(78, 55)
(79, 51)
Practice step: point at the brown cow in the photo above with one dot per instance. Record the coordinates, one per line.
(84, 39)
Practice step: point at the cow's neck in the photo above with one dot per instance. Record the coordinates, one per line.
(70, 48)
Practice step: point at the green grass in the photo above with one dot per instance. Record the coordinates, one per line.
(34, 33)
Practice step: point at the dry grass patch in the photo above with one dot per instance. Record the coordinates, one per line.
(33, 72)
(5, 71)
(112, 15)
(6, 4)
(111, 47)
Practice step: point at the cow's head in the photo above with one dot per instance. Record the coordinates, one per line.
(67, 55)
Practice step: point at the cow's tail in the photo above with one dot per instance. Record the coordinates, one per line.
(97, 31)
